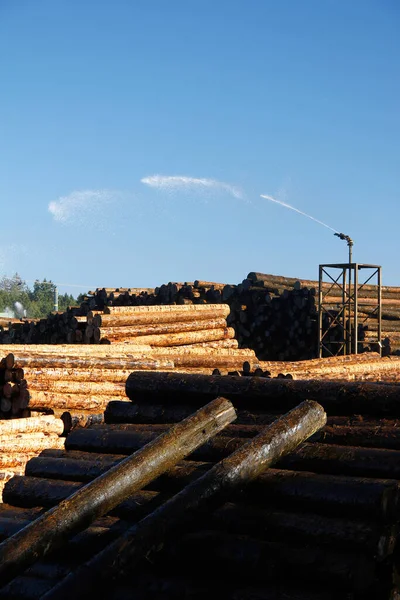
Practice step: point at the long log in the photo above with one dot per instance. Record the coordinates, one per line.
(86, 362)
(320, 458)
(266, 561)
(338, 398)
(198, 309)
(331, 495)
(30, 443)
(78, 387)
(120, 330)
(98, 498)
(278, 525)
(177, 339)
(49, 424)
(206, 492)
(85, 375)
(310, 283)
(67, 401)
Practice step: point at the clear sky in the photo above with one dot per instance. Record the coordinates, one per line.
(137, 136)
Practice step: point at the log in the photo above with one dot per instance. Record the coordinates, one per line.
(266, 561)
(98, 498)
(75, 401)
(120, 330)
(206, 492)
(85, 375)
(30, 444)
(96, 362)
(338, 398)
(67, 386)
(192, 309)
(178, 339)
(331, 495)
(278, 525)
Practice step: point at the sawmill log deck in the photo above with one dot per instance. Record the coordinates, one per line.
(335, 500)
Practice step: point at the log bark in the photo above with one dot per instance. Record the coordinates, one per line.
(207, 491)
(338, 398)
(99, 497)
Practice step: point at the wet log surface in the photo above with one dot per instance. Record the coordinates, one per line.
(240, 468)
(97, 498)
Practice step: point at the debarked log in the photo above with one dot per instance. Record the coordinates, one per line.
(120, 330)
(87, 362)
(178, 339)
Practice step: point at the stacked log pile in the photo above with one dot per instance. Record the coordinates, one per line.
(83, 379)
(14, 396)
(273, 315)
(369, 366)
(62, 574)
(327, 511)
(162, 325)
(59, 327)
(21, 439)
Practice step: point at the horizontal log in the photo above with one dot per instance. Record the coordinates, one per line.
(197, 309)
(75, 401)
(30, 444)
(70, 362)
(48, 375)
(338, 398)
(177, 339)
(122, 330)
(266, 561)
(278, 525)
(102, 388)
(331, 495)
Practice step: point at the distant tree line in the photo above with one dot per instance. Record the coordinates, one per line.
(18, 298)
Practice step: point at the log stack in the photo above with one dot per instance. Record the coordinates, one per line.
(273, 315)
(326, 512)
(83, 379)
(14, 396)
(21, 439)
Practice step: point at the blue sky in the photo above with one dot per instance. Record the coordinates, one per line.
(136, 138)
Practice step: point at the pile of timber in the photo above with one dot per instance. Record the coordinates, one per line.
(273, 315)
(59, 327)
(369, 366)
(14, 396)
(83, 379)
(120, 554)
(166, 326)
(326, 512)
(24, 438)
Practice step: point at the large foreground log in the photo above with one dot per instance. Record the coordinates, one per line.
(98, 497)
(338, 398)
(206, 492)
